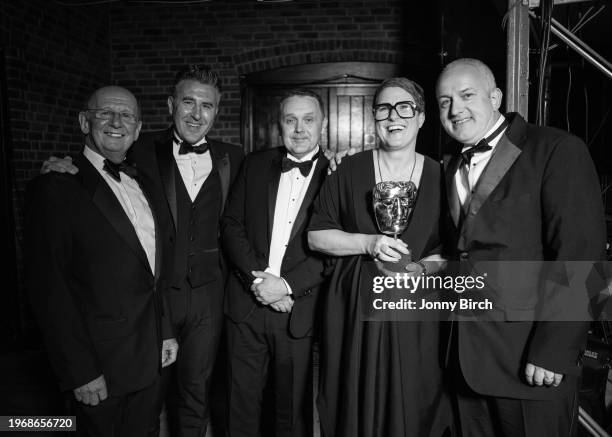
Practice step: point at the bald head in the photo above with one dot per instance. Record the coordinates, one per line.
(486, 77)
(114, 92)
(111, 122)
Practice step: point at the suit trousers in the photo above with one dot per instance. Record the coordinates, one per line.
(484, 416)
(262, 351)
(117, 416)
(196, 315)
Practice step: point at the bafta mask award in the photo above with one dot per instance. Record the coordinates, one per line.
(393, 204)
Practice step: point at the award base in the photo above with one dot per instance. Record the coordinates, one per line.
(400, 266)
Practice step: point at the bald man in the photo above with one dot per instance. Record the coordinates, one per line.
(526, 193)
(94, 252)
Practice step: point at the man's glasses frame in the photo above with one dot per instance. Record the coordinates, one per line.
(406, 109)
(107, 114)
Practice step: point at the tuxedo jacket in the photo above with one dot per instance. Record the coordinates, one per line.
(90, 284)
(154, 158)
(247, 231)
(538, 199)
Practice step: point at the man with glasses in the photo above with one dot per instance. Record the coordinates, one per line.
(93, 259)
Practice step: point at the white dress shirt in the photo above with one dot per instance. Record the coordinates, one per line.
(134, 203)
(194, 168)
(466, 178)
(292, 188)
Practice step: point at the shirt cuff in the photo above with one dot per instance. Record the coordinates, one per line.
(289, 290)
(258, 280)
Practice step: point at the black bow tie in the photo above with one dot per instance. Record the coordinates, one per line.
(186, 147)
(482, 145)
(304, 166)
(114, 169)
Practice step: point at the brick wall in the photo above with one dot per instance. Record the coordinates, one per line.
(54, 56)
(242, 36)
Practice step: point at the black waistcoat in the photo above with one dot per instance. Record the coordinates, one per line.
(196, 257)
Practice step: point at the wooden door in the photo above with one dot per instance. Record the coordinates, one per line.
(351, 124)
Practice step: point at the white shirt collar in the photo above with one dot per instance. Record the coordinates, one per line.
(95, 158)
(306, 157)
(493, 141)
(176, 146)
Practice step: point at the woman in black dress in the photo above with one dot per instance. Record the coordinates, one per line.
(379, 378)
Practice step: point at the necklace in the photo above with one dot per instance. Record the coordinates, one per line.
(380, 172)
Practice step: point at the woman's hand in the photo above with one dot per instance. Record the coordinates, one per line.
(386, 249)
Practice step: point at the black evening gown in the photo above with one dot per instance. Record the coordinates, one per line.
(377, 378)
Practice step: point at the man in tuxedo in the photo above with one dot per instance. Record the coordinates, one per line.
(525, 193)
(191, 175)
(94, 254)
(272, 292)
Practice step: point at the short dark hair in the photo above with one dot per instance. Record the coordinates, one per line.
(407, 85)
(301, 92)
(197, 72)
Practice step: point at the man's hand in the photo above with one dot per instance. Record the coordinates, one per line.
(284, 305)
(387, 249)
(169, 352)
(336, 158)
(270, 289)
(59, 165)
(93, 392)
(536, 375)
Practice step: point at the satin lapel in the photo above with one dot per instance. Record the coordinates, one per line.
(108, 205)
(165, 160)
(504, 155)
(158, 237)
(223, 167)
(313, 189)
(273, 181)
(451, 188)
